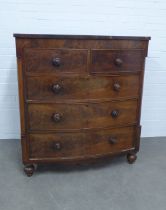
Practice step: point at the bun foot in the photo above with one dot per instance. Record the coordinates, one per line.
(131, 158)
(29, 170)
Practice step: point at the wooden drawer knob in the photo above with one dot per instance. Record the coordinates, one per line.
(57, 146)
(114, 113)
(118, 62)
(56, 88)
(56, 117)
(112, 140)
(56, 62)
(116, 86)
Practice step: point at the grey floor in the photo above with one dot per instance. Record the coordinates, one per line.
(106, 186)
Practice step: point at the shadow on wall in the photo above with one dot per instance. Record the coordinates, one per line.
(154, 98)
(9, 109)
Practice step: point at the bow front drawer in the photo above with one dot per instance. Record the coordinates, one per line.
(116, 61)
(69, 116)
(56, 60)
(81, 144)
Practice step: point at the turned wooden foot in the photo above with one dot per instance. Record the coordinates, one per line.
(131, 158)
(29, 170)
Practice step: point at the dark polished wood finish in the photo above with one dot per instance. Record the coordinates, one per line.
(81, 144)
(56, 60)
(116, 60)
(63, 36)
(29, 170)
(55, 88)
(131, 158)
(69, 116)
(80, 96)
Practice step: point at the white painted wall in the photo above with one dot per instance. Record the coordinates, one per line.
(106, 17)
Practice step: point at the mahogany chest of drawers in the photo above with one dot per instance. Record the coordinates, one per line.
(80, 96)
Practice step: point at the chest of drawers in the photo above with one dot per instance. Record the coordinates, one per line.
(80, 97)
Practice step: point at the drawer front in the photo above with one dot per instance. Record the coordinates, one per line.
(77, 116)
(93, 87)
(107, 61)
(81, 144)
(56, 60)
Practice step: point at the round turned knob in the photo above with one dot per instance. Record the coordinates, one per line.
(112, 140)
(57, 146)
(116, 86)
(114, 113)
(56, 88)
(56, 62)
(118, 62)
(56, 117)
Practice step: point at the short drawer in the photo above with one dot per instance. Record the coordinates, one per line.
(93, 87)
(56, 60)
(69, 116)
(81, 144)
(116, 61)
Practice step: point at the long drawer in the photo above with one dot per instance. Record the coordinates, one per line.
(81, 144)
(81, 115)
(76, 87)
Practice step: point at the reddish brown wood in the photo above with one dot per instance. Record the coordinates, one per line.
(56, 60)
(86, 37)
(107, 61)
(80, 143)
(22, 111)
(131, 157)
(67, 116)
(80, 96)
(78, 88)
(47, 43)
